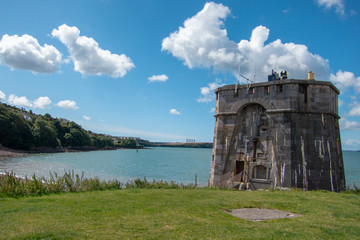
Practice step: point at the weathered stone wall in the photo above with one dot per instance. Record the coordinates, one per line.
(278, 134)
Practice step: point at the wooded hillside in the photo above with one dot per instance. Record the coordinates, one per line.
(24, 130)
(21, 129)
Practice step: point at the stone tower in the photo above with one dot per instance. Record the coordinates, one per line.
(282, 133)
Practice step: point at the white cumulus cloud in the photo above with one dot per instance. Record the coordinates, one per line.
(203, 42)
(158, 78)
(86, 118)
(346, 125)
(174, 111)
(355, 111)
(25, 52)
(344, 80)
(341, 102)
(88, 57)
(207, 93)
(42, 102)
(353, 142)
(68, 104)
(2, 96)
(338, 4)
(19, 101)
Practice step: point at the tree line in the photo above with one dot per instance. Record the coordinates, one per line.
(24, 130)
(21, 129)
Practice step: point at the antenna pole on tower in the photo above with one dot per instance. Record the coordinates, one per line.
(249, 81)
(237, 80)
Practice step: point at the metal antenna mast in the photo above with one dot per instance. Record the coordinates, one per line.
(237, 80)
(249, 81)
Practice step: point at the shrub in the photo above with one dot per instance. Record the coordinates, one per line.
(353, 189)
(139, 183)
(12, 186)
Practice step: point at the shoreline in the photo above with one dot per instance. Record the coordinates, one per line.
(12, 153)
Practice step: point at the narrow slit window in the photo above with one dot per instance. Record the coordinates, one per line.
(267, 90)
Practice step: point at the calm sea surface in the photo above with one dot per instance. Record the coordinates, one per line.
(177, 164)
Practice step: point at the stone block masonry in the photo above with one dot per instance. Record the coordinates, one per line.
(282, 133)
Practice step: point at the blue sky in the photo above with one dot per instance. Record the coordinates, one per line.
(148, 68)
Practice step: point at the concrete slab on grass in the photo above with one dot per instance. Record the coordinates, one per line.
(260, 214)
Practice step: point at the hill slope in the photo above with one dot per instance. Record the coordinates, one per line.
(24, 130)
(21, 129)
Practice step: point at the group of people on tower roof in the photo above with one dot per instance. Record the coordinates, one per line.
(275, 75)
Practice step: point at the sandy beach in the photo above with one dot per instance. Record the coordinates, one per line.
(7, 152)
(4, 153)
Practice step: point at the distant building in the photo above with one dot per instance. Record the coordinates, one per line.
(64, 120)
(188, 140)
(282, 133)
(131, 138)
(26, 117)
(117, 139)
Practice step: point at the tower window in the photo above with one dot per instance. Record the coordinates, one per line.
(259, 172)
(302, 88)
(267, 90)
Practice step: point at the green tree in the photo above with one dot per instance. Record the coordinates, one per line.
(44, 134)
(14, 129)
(60, 131)
(101, 141)
(80, 139)
(128, 143)
(25, 138)
(68, 140)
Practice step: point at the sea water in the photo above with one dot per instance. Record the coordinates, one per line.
(168, 164)
(352, 167)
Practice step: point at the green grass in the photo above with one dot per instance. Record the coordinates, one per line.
(178, 214)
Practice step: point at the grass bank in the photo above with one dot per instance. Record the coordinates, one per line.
(178, 214)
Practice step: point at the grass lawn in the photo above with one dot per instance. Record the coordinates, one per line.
(178, 214)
